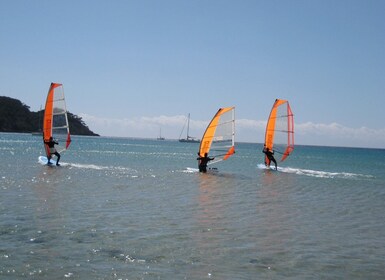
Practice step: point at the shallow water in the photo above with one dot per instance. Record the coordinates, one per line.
(136, 209)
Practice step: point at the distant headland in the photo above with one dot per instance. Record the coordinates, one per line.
(15, 116)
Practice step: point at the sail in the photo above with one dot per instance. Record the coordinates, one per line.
(55, 122)
(279, 136)
(218, 139)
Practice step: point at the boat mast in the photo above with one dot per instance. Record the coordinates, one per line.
(188, 125)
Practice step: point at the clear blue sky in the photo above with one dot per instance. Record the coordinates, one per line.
(130, 68)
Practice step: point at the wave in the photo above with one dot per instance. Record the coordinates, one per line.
(86, 166)
(97, 167)
(83, 166)
(316, 173)
(12, 141)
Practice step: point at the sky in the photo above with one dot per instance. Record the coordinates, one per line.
(132, 68)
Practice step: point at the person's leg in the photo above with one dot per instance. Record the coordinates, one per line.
(275, 163)
(58, 158)
(267, 161)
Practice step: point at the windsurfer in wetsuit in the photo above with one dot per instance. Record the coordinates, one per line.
(269, 154)
(52, 151)
(203, 162)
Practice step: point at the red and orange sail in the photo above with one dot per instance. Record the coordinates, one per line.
(279, 135)
(55, 122)
(218, 139)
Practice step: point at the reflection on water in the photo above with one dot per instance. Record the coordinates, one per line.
(275, 212)
(212, 228)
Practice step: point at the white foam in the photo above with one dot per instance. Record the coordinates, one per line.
(100, 167)
(88, 166)
(315, 173)
(191, 170)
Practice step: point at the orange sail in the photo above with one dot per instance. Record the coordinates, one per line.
(55, 122)
(279, 136)
(218, 139)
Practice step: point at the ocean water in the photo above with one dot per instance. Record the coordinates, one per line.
(136, 209)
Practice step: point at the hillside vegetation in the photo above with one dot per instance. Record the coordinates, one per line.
(15, 116)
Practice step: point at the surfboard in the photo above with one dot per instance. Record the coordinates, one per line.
(264, 167)
(191, 170)
(196, 170)
(44, 161)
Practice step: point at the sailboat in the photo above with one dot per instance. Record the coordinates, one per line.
(160, 135)
(188, 139)
(55, 121)
(218, 139)
(279, 135)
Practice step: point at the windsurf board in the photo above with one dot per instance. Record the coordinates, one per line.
(263, 166)
(44, 161)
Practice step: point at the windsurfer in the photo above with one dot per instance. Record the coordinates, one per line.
(52, 151)
(203, 162)
(270, 157)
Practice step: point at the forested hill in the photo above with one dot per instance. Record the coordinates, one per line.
(16, 117)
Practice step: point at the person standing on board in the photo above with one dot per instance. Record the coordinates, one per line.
(52, 151)
(270, 156)
(203, 162)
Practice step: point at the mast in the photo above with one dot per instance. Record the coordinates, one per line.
(188, 126)
(160, 134)
(188, 139)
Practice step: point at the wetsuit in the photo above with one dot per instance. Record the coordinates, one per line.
(269, 154)
(52, 151)
(203, 163)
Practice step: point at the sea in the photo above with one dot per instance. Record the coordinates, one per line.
(124, 208)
